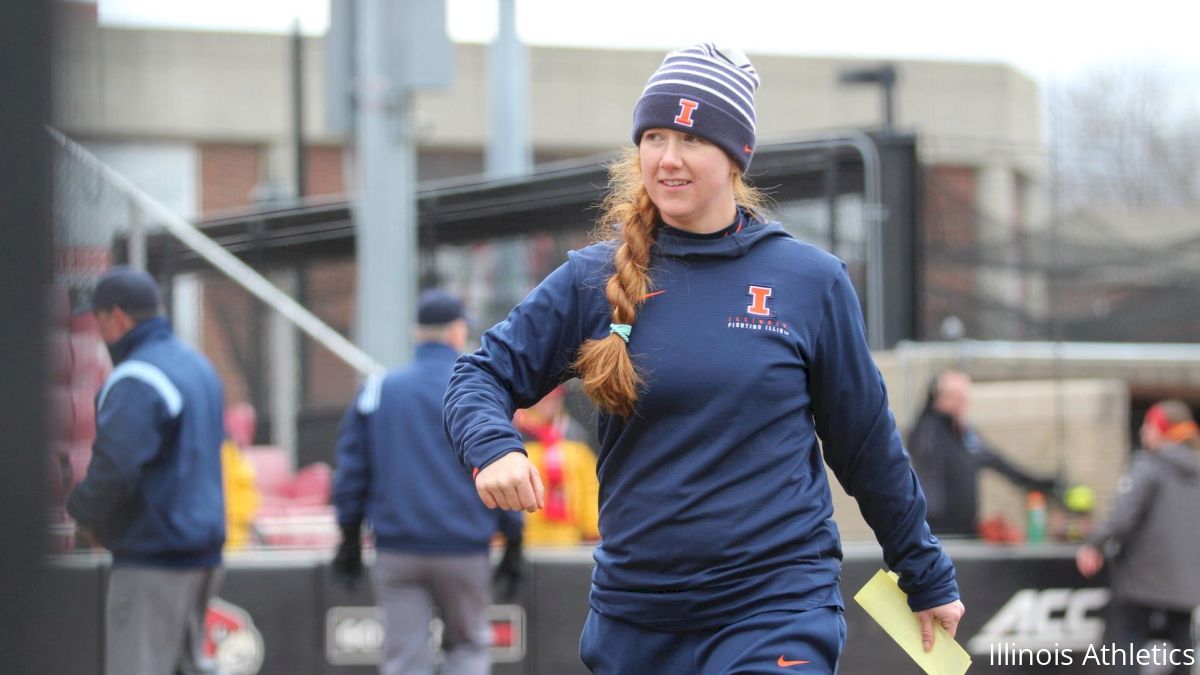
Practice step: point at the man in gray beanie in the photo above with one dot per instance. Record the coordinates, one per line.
(152, 494)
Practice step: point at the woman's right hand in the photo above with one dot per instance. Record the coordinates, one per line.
(511, 483)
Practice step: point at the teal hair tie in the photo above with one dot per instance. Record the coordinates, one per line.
(622, 329)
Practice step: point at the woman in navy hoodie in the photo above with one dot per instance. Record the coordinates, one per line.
(728, 361)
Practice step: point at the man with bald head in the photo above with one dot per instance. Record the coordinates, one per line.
(948, 454)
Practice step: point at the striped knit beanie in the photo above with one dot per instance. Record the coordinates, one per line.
(704, 90)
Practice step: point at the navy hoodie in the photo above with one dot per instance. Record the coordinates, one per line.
(153, 493)
(714, 504)
(395, 469)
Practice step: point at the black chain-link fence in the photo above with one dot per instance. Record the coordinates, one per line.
(1085, 275)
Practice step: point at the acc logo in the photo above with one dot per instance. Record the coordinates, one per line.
(1048, 618)
(686, 108)
(231, 638)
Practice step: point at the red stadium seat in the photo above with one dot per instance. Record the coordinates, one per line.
(311, 485)
(298, 527)
(79, 455)
(62, 415)
(58, 303)
(83, 412)
(60, 356)
(84, 322)
(294, 511)
(90, 364)
(272, 471)
(68, 465)
(58, 473)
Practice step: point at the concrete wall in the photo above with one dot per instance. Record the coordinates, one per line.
(234, 87)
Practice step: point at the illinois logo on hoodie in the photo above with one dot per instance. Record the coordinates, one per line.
(758, 314)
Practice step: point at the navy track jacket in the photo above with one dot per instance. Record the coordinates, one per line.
(396, 470)
(714, 504)
(153, 493)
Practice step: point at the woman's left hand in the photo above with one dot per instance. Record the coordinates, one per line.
(511, 483)
(947, 616)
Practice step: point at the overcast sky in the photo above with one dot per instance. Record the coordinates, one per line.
(1048, 39)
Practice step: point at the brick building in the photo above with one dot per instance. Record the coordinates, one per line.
(201, 121)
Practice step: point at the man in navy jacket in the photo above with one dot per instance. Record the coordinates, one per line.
(152, 494)
(395, 469)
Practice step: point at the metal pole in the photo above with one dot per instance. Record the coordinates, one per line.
(829, 183)
(889, 108)
(1056, 323)
(874, 215)
(135, 245)
(508, 151)
(284, 372)
(298, 109)
(385, 217)
(883, 75)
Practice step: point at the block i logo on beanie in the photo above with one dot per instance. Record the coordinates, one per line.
(705, 90)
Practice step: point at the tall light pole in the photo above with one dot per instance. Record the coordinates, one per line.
(884, 76)
(508, 152)
(386, 51)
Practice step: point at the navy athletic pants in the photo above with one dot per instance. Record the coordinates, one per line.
(778, 643)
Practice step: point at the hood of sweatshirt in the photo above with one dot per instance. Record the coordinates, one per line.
(1182, 459)
(745, 235)
(150, 329)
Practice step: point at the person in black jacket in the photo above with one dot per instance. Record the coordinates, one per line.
(948, 455)
(152, 494)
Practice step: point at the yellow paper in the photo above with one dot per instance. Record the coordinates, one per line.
(887, 604)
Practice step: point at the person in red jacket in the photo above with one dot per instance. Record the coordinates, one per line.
(555, 445)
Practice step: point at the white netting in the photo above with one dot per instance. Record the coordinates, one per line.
(101, 218)
(89, 214)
